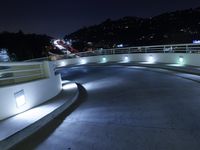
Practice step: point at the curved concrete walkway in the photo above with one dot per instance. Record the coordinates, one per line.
(126, 108)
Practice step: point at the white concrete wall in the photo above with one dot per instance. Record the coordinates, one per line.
(39, 91)
(172, 58)
(36, 92)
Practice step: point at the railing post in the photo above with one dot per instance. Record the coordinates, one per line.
(113, 51)
(46, 69)
(164, 49)
(42, 70)
(186, 49)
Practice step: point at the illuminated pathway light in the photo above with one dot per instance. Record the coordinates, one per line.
(104, 60)
(151, 59)
(181, 60)
(20, 98)
(126, 59)
(83, 61)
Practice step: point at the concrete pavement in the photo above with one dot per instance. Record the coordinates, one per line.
(126, 108)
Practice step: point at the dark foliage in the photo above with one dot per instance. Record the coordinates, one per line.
(24, 46)
(168, 28)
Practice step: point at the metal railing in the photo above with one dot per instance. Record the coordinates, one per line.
(174, 48)
(12, 73)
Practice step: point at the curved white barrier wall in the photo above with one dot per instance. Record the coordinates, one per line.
(171, 58)
(35, 93)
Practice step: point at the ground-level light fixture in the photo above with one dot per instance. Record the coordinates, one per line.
(151, 59)
(20, 98)
(83, 61)
(181, 60)
(126, 59)
(104, 60)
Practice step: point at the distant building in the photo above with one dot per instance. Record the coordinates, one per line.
(196, 41)
(4, 57)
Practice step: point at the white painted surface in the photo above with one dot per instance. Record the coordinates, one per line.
(35, 92)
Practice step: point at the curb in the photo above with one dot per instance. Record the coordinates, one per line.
(29, 130)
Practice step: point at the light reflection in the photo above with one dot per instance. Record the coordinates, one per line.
(149, 60)
(175, 65)
(62, 63)
(65, 81)
(35, 113)
(125, 60)
(103, 83)
(69, 86)
(137, 67)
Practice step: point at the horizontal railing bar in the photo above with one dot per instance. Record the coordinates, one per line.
(19, 77)
(8, 64)
(19, 70)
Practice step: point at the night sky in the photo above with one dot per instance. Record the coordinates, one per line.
(60, 17)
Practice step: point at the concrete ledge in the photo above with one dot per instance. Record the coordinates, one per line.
(34, 93)
(168, 58)
(184, 71)
(174, 67)
(187, 72)
(17, 128)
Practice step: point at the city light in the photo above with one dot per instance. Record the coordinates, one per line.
(120, 45)
(196, 42)
(58, 45)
